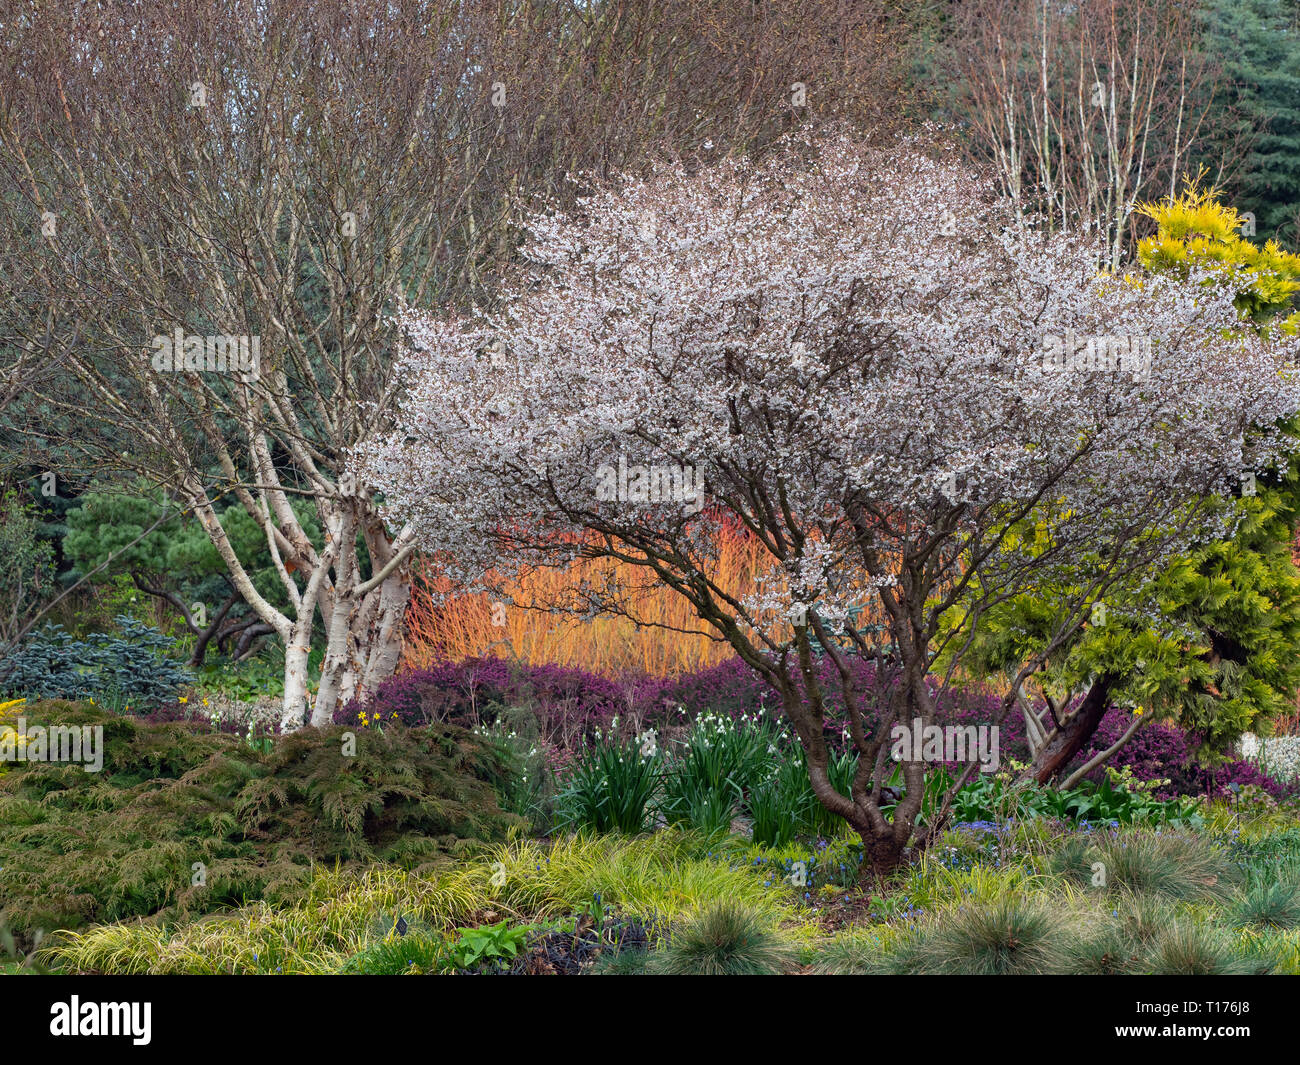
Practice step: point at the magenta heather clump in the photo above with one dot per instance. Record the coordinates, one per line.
(1162, 751)
(566, 702)
(166, 713)
(570, 705)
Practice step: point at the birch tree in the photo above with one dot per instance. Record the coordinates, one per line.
(210, 209)
(1084, 109)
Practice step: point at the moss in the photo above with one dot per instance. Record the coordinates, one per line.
(83, 847)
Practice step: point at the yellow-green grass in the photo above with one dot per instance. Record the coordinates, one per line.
(669, 876)
(1249, 822)
(661, 876)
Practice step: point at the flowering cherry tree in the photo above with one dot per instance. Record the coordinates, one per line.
(871, 363)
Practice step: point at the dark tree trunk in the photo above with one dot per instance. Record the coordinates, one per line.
(249, 635)
(884, 855)
(207, 635)
(1074, 733)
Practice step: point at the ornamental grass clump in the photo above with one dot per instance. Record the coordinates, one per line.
(1178, 865)
(1117, 940)
(1011, 936)
(727, 938)
(1107, 951)
(1195, 949)
(1071, 861)
(1268, 906)
(859, 953)
(1143, 917)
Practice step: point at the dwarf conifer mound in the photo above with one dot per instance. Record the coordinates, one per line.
(181, 821)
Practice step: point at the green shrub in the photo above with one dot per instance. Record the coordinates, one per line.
(14, 961)
(725, 939)
(248, 681)
(183, 821)
(27, 575)
(991, 799)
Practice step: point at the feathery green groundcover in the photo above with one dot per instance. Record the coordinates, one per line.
(182, 822)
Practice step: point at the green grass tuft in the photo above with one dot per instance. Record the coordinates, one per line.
(1010, 936)
(1189, 949)
(726, 938)
(1268, 906)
